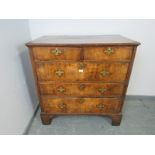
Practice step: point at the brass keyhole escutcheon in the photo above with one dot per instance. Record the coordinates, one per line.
(82, 86)
(81, 65)
(81, 100)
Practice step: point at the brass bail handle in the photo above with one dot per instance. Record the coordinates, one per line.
(100, 106)
(109, 51)
(104, 73)
(56, 51)
(102, 90)
(59, 72)
(62, 105)
(61, 90)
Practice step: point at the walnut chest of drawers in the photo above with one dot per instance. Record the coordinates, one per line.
(85, 75)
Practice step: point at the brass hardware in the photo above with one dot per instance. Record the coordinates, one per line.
(81, 65)
(100, 106)
(104, 73)
(109, 51)
(61, 90)
(59, 73)
(62, 105)
(82, 86)
(102, 90)
(81, 100)
(56, 51)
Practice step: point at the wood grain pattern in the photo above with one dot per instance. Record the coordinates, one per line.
(91, 72)
(74, 105)
(82, 89)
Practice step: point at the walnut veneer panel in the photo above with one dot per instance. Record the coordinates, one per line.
(81, 89)
(75, 105)
(106, 72)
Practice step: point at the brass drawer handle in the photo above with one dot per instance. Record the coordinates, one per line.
(109, 51)
(56, 51)
(59, 73)
(61, 90)
(82, 86)
(104, 73)
(100, 106)
(81, 100)
(102, 90)
(62, 105)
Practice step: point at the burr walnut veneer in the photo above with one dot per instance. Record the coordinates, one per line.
(82, 74)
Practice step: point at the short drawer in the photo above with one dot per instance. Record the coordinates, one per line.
(81, 89)
(67, 71)
(115, 53)
(80, 105)
(56, 53)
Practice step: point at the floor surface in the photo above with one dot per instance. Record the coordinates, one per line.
(138, 119)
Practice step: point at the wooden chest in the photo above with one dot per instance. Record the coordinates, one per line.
(82, 74)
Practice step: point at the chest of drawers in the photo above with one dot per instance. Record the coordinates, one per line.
(86, 75)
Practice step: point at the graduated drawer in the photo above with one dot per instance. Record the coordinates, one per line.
(56, 53)
(80, 105)
(81, 89)
(87, 71)
(108, 53)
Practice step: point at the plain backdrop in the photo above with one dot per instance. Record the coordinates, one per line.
(16, 82)
(18, 99)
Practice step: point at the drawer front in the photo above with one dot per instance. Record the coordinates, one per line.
(59, 71)
(80, 105)
(81, 89)
(108, 53)
(56, 53)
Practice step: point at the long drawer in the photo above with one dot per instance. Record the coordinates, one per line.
(80, 105)
(82, 71)
(81, 89)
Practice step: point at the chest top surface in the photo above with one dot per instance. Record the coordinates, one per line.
(74, 40)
